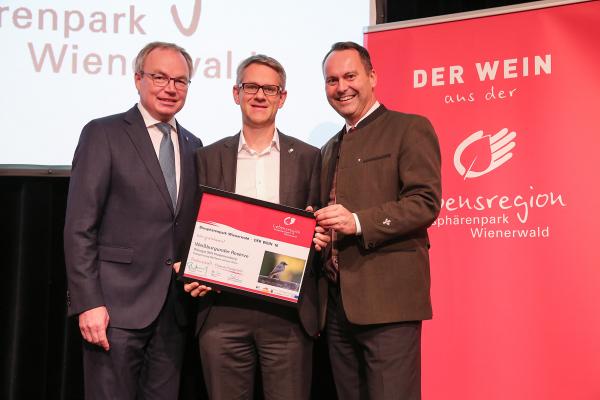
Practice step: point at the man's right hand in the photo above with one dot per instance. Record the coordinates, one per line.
(93, 324)
(338, 218)
(196, 289)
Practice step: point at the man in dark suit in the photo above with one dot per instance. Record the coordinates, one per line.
(381, 181)
(130, 212)
(237, 333)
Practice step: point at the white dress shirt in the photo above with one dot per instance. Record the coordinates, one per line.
(257, 173)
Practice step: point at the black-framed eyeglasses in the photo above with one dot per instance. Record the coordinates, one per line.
(253, 88)
(161, 80)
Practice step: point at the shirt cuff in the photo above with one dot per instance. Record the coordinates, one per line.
(357, 222)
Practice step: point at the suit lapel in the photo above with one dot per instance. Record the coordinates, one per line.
(138, 133)
(229, 153)
(287, 163)
(186, 158)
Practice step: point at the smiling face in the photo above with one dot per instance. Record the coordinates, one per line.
(348, 85)
(259, 110)
(162, 102)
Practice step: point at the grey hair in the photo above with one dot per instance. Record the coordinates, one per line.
(263, 60)
(141, 57)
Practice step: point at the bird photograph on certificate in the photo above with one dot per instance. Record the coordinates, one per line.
(281, 271)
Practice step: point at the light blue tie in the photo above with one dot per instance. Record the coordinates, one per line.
(166, 157)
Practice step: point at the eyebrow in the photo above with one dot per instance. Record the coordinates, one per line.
(265, 84)
(342, 75)
(174, 77)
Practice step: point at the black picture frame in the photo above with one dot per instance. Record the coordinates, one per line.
(250, 292)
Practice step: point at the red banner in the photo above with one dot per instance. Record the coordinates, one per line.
(515, 271)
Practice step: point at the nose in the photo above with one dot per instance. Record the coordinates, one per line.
(171, 85)
(342, 85)
(260, 95)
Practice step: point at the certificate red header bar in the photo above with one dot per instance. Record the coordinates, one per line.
(256, 220)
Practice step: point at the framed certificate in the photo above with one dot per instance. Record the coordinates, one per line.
(251, 247)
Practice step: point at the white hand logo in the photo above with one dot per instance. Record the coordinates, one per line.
(289, 220)
(500, 146)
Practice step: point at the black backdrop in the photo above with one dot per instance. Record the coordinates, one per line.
(400, 10)
(40, 347)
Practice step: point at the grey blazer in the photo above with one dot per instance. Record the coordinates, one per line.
(121, 233)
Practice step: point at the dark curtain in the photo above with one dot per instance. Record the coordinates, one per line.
(395, 10)
(40, 346)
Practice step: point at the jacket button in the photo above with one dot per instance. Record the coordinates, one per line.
(169, 261)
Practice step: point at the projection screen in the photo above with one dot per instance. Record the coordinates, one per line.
(66, 62)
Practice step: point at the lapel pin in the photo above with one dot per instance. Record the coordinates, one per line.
(290, 151)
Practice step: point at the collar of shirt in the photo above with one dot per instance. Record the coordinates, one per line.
(243, 146)
(373, 108)
(149, 120)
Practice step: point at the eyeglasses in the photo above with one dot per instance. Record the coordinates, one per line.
(161, 80)
(253, 88)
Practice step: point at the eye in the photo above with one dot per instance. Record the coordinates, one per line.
(331, 81)
(160, 79)
(271, 90)
(181, 83)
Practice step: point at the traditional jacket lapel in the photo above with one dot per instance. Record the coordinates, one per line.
(330, 161)
(138, 134)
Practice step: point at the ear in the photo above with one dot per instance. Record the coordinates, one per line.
(137, 78)
(282, 97)
(236, 94)
(373, 78)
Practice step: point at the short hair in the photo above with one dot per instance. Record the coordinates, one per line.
(263, 60)
(365, 58)
(141, 57)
